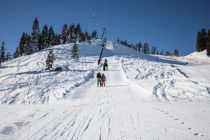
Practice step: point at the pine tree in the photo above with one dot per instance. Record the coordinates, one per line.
(16, 53)
(25, 47)
(94, 35)
(82, 37)
(57, 40)
(138, 46)
(72, 34)
(40, 43)
(167, 53)
(87, 37)
(162, 53)
(8, 56)
(51, 36)
(22, 44)
(50, 60)
(64, 33)
(35, 35)
(29, 47)
(2, 58)
(74, 52)
(208, 44)
(45, 37)
(118, 40)
(176, 52)
(201, 40)
(154, 50)
(78, 32)
(146, 48)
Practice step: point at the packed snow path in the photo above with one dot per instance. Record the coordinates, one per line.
(119, 111)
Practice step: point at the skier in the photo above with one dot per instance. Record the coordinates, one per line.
(106, 66)
(98, 79)
(105, 61)
(103, 78)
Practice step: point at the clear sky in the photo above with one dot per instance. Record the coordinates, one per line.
(166, 24)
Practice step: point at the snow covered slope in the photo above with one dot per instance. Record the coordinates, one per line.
(169, 82)
(146, 97)
(24, 80)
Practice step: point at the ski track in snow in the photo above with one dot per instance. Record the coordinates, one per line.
(142, 100)
(169, 82)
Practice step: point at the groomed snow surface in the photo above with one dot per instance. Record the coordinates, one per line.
(146, 97)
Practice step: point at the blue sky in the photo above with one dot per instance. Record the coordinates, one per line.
(165, 24)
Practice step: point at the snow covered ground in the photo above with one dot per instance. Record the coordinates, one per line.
(146, 97)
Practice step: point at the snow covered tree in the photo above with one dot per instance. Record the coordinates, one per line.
(74, 52)
(201, 40)
(35, 35)
(2, 58)
(139, 47)
(64, 33)
(176, 52)
(208, 44)
(50, 60)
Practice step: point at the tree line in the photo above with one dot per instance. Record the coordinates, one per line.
(4, 56)
(38, 40)
(203, 41)
(146, 49)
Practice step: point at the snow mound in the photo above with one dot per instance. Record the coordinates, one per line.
(198, 57)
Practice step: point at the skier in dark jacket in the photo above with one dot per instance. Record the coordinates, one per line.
(105, 61)
(99, 78)
(105, 67)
